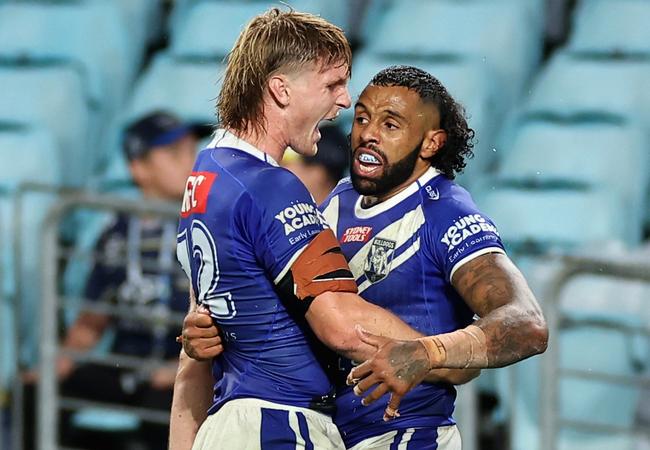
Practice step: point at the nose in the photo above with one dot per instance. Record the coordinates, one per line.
(344, 101)
(368, 133)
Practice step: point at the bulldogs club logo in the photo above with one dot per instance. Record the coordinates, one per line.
(379, 259)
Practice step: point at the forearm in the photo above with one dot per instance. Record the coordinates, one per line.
(511, 327)
(86, 331)
(191, 401)
(452, 376)
(333, 317)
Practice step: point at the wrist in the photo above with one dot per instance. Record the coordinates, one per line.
(459, 349)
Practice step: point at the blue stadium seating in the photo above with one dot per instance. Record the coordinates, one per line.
(229, 17)
(38, 95)
(572, 84)
(196, 34)
(474, 28)
(582, 154)
(91, 34)
(186, 87)
(614, 27)
(30, 163)
(527, 217)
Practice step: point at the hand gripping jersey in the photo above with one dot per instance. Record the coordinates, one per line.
(403, 253)
(245, 224)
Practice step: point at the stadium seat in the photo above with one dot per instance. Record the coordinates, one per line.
(29, 164)
(184, 86)
(196, 33)
(191, 21)
(573, 84)
(38, 94)
(609, 27)
(94, 37)
(466, 79)
(187, 87)
(582, 154)
(473, 28)
(527, 217)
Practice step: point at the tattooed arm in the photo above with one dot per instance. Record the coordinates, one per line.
(511, 318)
(511, 328)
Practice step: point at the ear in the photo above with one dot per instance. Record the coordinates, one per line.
(138, 171)
(433, 141)
(279, 90)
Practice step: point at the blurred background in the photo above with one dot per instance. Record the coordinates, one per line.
(558, 92)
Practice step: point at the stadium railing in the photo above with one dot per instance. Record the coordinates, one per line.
(49, 401)
(551, 421)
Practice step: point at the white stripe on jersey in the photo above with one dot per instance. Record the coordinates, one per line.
(331, 214)
(399, 231)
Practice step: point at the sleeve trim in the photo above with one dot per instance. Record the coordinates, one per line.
(286, 268)
(476, 254)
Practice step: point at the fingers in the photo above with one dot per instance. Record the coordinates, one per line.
(365, 384)
(357, 373)
(198, 319)
(375, 395)
(391, 410)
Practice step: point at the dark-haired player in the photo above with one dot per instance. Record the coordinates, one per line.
(406, 227)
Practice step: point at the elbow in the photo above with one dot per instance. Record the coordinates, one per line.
(538, 335)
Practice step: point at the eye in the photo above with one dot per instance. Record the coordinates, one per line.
(361, 120)
(391, 125)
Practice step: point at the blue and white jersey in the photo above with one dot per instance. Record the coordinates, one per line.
(244, 220)
(403, 253)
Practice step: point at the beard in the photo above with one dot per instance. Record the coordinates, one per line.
(393, 175)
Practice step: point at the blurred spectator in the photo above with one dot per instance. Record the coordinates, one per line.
(136, 274)
(321, 172)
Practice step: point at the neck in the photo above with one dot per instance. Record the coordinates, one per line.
(418, 171)
(273, 141)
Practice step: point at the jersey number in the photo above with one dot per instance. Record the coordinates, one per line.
(204, 251)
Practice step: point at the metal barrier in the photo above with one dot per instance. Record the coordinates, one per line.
(550, 365)
(48, 400)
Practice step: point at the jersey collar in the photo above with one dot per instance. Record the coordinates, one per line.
(224, 138)
(365, 213)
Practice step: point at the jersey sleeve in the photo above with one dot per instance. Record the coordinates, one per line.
(295, 246)
(461, 233)
(285, 221)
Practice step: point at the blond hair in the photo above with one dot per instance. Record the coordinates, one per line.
(272, 42)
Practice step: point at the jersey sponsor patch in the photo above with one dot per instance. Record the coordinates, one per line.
(197, 189)
(356, 234)
(299, 215)
(466, 227)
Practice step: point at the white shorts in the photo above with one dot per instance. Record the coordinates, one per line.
(441, 438)
(252, 424)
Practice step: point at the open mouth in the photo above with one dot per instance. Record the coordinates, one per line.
(367, 162)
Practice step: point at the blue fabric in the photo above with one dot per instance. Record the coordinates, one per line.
(421, 234)
(304, 431)
(241, 226)
(276, 433)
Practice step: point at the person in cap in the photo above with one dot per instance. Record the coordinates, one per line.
(134, 273)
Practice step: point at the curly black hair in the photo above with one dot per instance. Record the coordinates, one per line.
(450, 159)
